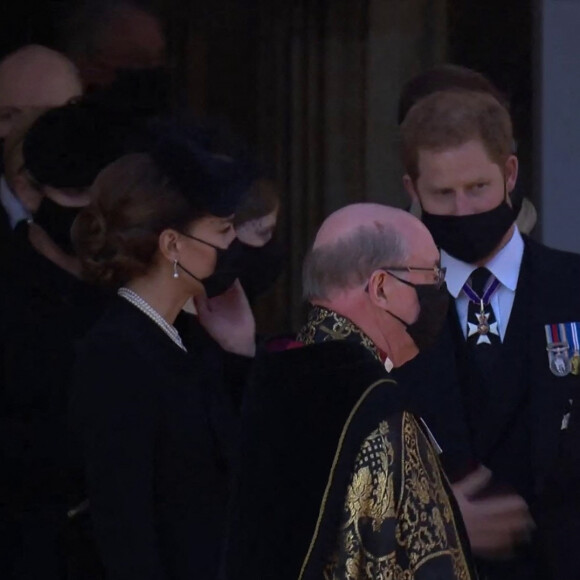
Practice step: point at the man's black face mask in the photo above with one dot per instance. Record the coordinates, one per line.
(471, 238)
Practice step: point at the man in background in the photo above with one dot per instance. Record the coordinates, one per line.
(33, 77)
(108, 37)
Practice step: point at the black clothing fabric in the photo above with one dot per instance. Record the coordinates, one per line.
(232, 368)
(516, 431)
(158, 432)
(558, 508)
(261, 267)
(5, 229)
(43, 311)
(308, 413)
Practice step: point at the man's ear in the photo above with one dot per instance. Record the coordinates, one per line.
(378, 289)
(511, 172)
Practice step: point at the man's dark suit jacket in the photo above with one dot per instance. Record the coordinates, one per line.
(5, 229)
(511, 420)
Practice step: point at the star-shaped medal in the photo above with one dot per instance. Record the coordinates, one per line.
(483, 328)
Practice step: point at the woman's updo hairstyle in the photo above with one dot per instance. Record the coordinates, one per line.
(142, 194)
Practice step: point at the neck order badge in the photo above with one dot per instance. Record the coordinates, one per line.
(563, 346)
(483, 327)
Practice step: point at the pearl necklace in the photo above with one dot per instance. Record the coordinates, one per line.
(148, 310)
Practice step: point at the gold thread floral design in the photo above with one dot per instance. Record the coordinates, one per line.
(398, 516)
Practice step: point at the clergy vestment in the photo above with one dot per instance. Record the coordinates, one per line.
(336, 479)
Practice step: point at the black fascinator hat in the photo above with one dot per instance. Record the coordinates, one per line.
(211, 181)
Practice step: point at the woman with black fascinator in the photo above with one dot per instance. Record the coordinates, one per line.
(156, 421)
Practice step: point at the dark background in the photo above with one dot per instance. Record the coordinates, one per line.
(492, 37)
(296, 81)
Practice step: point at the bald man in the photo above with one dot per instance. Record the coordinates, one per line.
(336, 479)
(33, 77)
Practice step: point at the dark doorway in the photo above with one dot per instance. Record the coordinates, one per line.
(496, 38)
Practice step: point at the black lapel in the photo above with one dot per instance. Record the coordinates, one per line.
(509, 377)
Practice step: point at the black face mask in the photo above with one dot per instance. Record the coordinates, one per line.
(227, 268)
(470, 238)
(260, 267)
(57, 220)
(434, 302)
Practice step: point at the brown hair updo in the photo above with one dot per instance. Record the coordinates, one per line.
(117, 235)
(140, 195)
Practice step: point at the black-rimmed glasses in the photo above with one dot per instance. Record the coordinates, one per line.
(438, 272)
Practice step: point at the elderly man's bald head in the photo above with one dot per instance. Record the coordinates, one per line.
(344, 222)
(34, 77)
(357, 240)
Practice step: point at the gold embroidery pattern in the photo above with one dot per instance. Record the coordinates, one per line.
(333, 469)
(324, 325)
(397, 515)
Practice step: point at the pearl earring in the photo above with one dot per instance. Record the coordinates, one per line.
(175, 272)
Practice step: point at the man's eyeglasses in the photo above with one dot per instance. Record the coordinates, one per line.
(438, 272)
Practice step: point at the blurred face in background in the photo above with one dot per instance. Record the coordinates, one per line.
(34, 77)
(258, 232)
(133, 39)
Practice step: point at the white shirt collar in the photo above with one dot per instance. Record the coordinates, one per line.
(505, 266)
(13, 206)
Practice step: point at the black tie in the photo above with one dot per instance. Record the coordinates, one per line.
(482, 328)
(483, 350)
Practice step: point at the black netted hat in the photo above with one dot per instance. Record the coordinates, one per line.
(209, 180)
